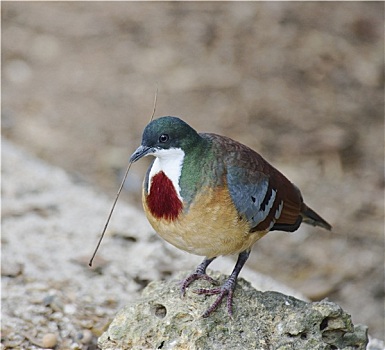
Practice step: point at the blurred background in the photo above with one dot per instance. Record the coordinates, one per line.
(301, 83)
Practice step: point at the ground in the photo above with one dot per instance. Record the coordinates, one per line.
(301, 83)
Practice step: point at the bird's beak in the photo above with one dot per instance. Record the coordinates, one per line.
(140, 152)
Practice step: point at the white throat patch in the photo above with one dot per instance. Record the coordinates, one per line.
(169, 161)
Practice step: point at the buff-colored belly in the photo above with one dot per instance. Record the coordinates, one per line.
(211, 227)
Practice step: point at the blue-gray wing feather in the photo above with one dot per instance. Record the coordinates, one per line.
(250, 193)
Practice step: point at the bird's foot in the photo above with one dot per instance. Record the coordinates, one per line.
(226, 289)
(196, 276)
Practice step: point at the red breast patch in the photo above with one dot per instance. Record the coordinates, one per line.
(163, 201)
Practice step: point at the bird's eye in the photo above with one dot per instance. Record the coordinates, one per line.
(163, 138)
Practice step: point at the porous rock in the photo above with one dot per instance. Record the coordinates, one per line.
(162, 319)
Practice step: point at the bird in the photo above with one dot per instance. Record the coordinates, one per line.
(212, 196)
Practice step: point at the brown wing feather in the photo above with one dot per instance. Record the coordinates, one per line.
(289, 197)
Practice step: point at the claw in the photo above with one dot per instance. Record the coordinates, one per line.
(193, 277)
(226, 289)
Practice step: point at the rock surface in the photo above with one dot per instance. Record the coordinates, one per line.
(161, 319)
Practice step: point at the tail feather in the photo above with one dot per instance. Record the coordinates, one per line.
(309, 216)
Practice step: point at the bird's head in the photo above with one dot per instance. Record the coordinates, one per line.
(164, 136)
